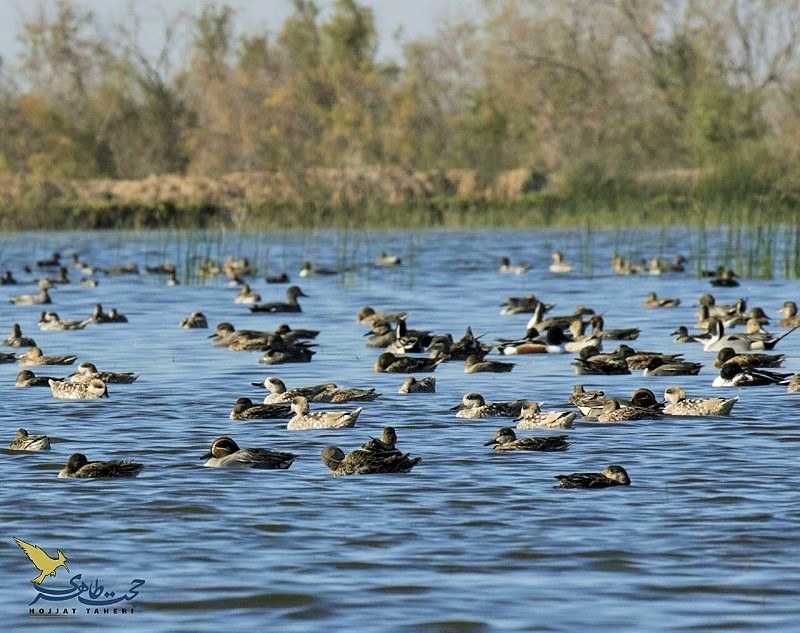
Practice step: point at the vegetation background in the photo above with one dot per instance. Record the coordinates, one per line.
(527, 113)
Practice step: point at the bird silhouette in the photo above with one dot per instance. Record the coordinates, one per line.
(42, 561)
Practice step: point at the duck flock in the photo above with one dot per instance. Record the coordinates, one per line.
(735, 336)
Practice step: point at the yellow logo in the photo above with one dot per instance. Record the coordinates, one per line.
(44, 563)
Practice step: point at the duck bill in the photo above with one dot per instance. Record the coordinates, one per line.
(214, 335)
(208, 455)
(456, 408)
(258, 384)
(490, 442)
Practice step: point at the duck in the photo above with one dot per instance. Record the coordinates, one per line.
(246, 295)
(657, 266)
(756, 315)
(443, 346)
(750, 341)
(226, 335)
(161, 269)
(532, 417)
(280, 278)
(88, 371)
(559, 266)
(89, 390)
(89, 283)
(363, 462)
(51, 262)
(726, 280)
(790, 316)
(172, 280)
(794, 384)
(289, 354)
(734, 375)
(79, 467)
(367, 315)
(337, 395)
(384, 260)
(506, 440)
(613, 475)
(614, 412)
(555, 342)
(653, 301)
(473, 405)
(722, 311)
(389, 363)
(474, 364)
(381, 335)
(24, 442)
(591, 363)
(8, 279)
(293, 335)
(659, 367)
(225, 453)
(38, 299)
(519, 305)
(748, 361)
(131, 268)
(245, 409)
(507, 269)
(112, 316)
(682, 335)
(387, 443)
(589, 403)
(579, 339)
(34, 356)
(196, 320)
(679, 404)
(279, 393)
(423, 385)
(291, 305)
(304, 419)
(50, 321)
(15, 339)
(307, 269)
(561, 321)
(26, 378)
(622, 334)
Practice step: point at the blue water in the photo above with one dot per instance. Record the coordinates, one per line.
(704, 538)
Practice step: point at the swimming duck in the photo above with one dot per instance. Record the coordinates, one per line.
(589, 403)
(291, 305)
(196, 320)
(682, 335)
(755, 315)
(337, 395)
(561, 321)
(8, 279)
(245, 409)
(652, 301)
(790, 316)
(748, 361)
(26, 378)
(622, 334)
(226, 335)
(385, 260)
(591, 363)
(659, 367)
(289, 354)
(794, 384)
(722, 311)
(172, 280)
(532, 417)
(81, 468)
(89, 390)
(37, 299)
(88, 371)
(657, 266)
(368, 315)
(279, 393)
(161, 269)
(51, 262)
(726, 280)
(24, 442)
(381, 334)
(613, 475)
(112, 316)
(614, 412)
(130, 268)
(747, 342)
(579, 339)
(225, 453)
(293, 335)
(362, 462)
(443, 346)
(389, 363)
(304, 419)
(245, 295)
(423, 385)
(15, 339)
(280, 278)
(307, 269)
(474, 365)
(51, 321)
(734, 375)
(387, 443)
(679, 404)
(508, 269)
(559, 266)
(554, 343)
(519, 305)
(506, 440)
(473, 405)
(35, 357)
